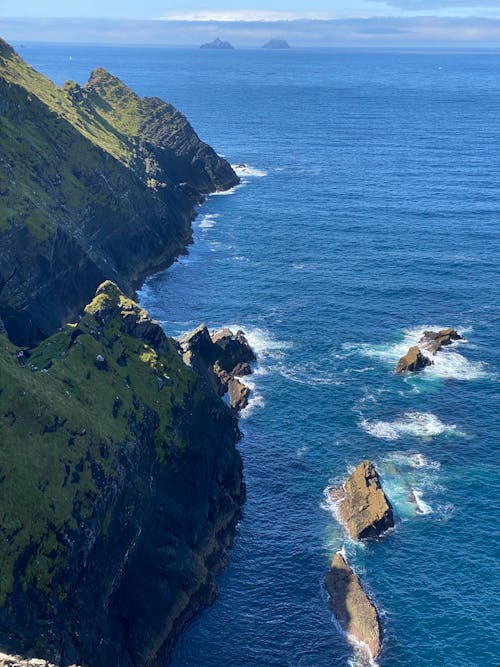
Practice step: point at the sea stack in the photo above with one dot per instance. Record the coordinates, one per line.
(363, 507)
(218, 44)
(276, 44)
(413, 361)
(351, 606)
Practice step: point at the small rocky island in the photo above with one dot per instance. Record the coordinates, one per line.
(355, 612)
(218, 44)
(276, 44)
(363, 508)
(430, 341)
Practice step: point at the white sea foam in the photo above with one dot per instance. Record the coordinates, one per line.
(246, 171)
(408, 479)
(417, 424)
(448, 364)
(208, 221)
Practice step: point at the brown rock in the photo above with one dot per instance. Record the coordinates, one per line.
(434, 340)
(353, 609)
(413, 361)
(363, 507)
(238, 394)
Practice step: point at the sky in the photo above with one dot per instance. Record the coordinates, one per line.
(250, 9)
(474, 23)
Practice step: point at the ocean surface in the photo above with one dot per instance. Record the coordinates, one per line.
(369, 211)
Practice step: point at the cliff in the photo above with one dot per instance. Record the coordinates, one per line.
(120, 481)
(120, 488)
(95, 183)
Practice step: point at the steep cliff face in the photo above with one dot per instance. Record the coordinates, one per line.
(120, 487)
(95, 183)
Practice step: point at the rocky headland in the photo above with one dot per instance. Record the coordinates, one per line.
(120, 480)
(363, 508)
(351, 606)
(96, 183)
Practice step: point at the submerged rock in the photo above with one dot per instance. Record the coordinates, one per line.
(353, 609)
(363, 507)
(435, 340)
(413, 361)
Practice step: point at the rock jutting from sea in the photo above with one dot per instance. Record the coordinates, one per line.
(351, 606)
(221, 358)
(430, 341)
(433, 341)
(362, 506)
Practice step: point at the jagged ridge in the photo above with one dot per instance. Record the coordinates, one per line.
(95, 183)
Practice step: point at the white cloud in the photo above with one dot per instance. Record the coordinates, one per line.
(245, 15)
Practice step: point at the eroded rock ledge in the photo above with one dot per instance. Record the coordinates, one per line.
(363, 507)
(351, 606)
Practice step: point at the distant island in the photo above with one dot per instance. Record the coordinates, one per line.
(276, 44)
(217, 44)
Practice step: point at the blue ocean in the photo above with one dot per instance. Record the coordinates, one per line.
(368, 211)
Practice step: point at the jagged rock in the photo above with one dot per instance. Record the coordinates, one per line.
(363, 507)
(232, 350)
(435, 340)
(218, 44)
(413, 361)
(351, 606)
(220, 358)
(238, 394)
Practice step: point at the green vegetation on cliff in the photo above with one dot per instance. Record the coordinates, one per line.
(64, 418)
(92, 421)
(95, 183)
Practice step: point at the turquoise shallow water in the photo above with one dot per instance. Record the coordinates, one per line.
(371, 212)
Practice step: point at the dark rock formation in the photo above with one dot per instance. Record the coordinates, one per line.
(351, 606)
(119, 507)
(218, 44)
(413, 361)
(233, 351)
(363, 507)
(276, 44)
(103, 187)
(435, 340)
(220, 359)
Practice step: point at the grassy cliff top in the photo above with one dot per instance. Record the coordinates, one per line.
(104, 110)
(68, 411)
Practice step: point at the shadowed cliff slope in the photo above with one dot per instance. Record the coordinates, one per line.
(120, 486)
(95, 183)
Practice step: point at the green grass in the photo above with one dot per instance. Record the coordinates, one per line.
(62, 417)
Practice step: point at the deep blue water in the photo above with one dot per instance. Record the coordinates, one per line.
(374, 214)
